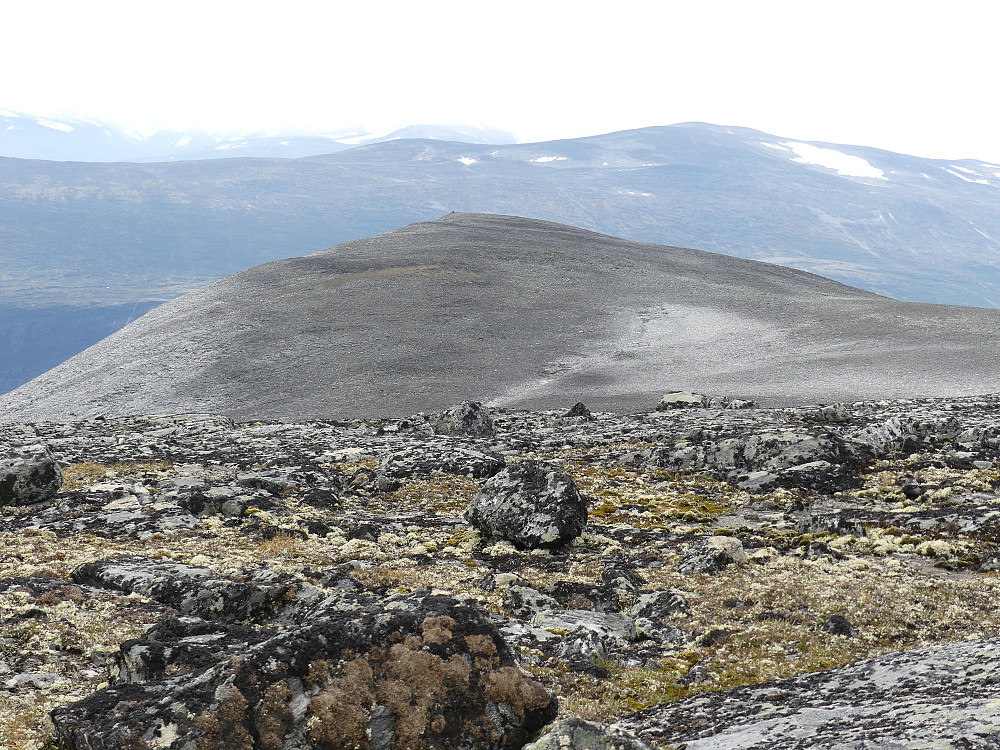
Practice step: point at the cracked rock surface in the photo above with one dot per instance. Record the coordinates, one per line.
(741, 577)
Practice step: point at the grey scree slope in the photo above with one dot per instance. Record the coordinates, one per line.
(518, 312)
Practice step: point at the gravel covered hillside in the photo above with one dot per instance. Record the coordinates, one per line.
(518, 312)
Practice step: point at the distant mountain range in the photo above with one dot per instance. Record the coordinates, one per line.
(106, 235)
(520, 312)
(26, 136)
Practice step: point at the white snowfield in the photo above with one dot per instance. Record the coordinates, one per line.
(544, 159)
(963, 177)
(841, 163)
(55, 125)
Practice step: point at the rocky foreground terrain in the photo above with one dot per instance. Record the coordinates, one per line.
(707, 575)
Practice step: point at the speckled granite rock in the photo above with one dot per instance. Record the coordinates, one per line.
(530, 504)
(28, 474)
(467, 418)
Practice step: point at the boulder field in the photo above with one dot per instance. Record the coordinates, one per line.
(709, 574)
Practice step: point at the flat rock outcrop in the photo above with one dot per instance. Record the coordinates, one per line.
(577, 734)
(942, 697)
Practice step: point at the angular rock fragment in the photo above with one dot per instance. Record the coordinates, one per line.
(181, 645)
(531, 504)
(712, 555)
(28, 474)
(907, 435)
(815, 458)
(448, 456)
(579, 734)
(524, 602)
(579, 409)
(832, 414)
(193, 590)
(467, 418)
(587, 636)
(660, 604)
(413, 671)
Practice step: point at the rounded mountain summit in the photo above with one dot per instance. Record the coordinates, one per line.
(516, 312)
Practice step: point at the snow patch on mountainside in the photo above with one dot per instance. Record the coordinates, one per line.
(963, 177)
(468, 160)
(841, 163)
(55, 125)
(544, 159)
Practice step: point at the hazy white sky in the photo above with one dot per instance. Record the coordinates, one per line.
(916, 76)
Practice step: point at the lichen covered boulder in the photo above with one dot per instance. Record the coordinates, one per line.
(531, 504)
(420, 670)
(28, 474)
(467, 418)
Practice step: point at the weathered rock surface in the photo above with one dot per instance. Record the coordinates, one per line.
(530, 504)
(577, 734)
(451, 457)
(417, 671)
(714, 554)
(28, 474)
(467, 418)
(681, 400)
(940, 697)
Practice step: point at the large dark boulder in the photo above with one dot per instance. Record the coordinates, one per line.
(413, 671)
(28, 474)
(531, 504)
(467, 418)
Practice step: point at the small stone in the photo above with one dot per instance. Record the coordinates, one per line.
(839, 625)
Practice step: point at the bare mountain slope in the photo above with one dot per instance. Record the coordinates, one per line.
(521, 312)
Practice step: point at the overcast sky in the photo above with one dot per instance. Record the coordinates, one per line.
(916, 77)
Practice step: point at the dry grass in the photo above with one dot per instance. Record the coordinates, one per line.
(78, 476)
(772, 608)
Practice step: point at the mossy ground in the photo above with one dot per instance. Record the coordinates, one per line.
(765, 616)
